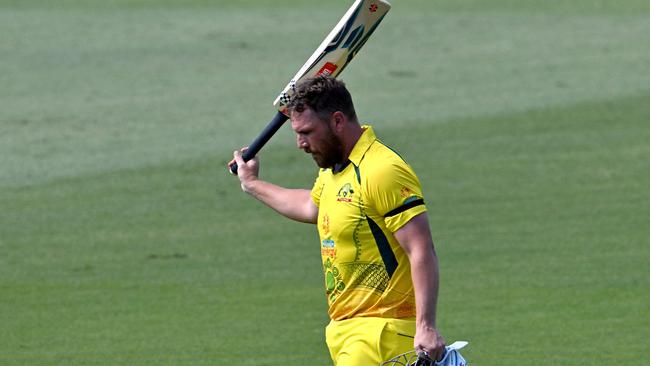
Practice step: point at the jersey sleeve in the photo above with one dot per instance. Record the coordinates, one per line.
(317, 189)
(396, 194)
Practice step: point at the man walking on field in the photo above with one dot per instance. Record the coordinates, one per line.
(381, 269)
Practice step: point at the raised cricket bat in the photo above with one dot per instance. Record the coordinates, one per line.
(331, 57)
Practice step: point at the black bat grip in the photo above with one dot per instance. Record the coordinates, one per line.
(262, 139)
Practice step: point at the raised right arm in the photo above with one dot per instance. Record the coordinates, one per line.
(295, 204)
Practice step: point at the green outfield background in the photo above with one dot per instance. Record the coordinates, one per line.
(123, 240)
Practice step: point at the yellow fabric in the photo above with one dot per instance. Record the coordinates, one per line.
(367, 273)
(368, 341)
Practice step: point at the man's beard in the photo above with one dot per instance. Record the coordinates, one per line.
(330, 153)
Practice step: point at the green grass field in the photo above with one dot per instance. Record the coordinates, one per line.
(123, 240)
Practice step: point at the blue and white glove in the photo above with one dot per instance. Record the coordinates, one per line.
(452, 357)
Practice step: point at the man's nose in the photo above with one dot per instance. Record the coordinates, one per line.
(302, 143)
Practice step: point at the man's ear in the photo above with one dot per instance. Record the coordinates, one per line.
(338, 121)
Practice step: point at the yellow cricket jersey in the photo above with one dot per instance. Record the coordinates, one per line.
(367, 273)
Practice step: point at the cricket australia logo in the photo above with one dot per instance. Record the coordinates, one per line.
(345, 193)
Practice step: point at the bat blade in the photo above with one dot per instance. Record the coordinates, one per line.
(340, 46)
(331, 57)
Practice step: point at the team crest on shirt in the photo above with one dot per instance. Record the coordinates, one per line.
(345, 193)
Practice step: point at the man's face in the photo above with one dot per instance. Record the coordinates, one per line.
(316, 137)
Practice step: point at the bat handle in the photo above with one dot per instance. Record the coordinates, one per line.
(262, 139)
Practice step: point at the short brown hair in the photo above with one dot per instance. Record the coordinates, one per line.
(324, 95)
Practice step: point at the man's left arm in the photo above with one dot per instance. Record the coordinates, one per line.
(415, 238)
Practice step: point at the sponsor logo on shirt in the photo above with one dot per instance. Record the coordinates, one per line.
(328, 248)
